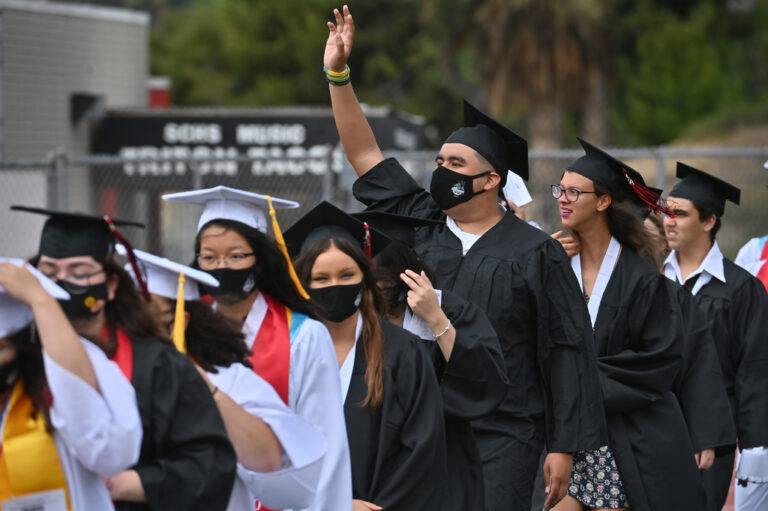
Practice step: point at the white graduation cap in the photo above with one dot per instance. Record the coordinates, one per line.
(15, 315)
(162, 276)
(223, 202)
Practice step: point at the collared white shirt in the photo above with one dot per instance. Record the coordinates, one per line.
(466, 239)
(711, 266)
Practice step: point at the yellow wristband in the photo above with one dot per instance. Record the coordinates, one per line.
(335, 74)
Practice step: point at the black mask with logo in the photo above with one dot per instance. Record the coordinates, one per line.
(338, 302)
(450, 188)
(234, 285)
(84, 301)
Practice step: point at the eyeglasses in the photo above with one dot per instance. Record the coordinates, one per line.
(571, 194)
(77, 278)
(208, 262)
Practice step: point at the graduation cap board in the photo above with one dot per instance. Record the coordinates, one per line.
(703, 189)
(504, 149)
(327, 221)
(223, 202)
(15, 315)
(399, 228)
(174, 281)
(77, 234)
(622, 181)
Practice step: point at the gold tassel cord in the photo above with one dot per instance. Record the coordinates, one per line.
(284, 250)
(178, 325)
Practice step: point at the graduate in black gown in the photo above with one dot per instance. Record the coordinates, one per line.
(648, 463)
(464, 348)
(186, 460)
(734, 303)
(392, 402)
(699, 385)
(516, 274)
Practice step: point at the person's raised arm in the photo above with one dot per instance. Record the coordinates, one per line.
(354, 131)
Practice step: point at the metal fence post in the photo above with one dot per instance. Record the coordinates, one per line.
(57, 180)
(661, 169)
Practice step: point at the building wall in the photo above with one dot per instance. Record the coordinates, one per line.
(49, 51)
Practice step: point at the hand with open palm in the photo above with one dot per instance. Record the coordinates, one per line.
(339, 44)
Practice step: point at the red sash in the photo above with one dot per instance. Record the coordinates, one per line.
(271, 352)
(762, 273)
(123, 353)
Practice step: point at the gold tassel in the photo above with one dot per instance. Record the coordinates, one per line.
(179, 323)
(284, 250)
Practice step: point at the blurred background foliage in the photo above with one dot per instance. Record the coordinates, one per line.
(621, 72)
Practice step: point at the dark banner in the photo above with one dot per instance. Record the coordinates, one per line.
(279, 146)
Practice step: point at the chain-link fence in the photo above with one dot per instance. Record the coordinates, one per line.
(131, 188)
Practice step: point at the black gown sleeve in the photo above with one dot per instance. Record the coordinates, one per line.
(645, 369)
(414, 476)
(575, 419)
(194, 466)
(699, 386)
(388, 187)
(750, 305)
(473, 381)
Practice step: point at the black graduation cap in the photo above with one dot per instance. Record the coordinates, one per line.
(397, 227)
(605, 170)
(76, 234)
(327, 221)
(502, 147)
(702, 188)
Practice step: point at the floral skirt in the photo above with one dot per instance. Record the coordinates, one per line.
(595, 480)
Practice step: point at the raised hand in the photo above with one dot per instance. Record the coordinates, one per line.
(570, 244)
(21, 284)
(339, 44)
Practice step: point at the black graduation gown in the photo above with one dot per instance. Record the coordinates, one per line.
(736, 310)
(522, 279)
(699, 384)
(638, 338)
(473, 383)
(186, 462)
(397, 450)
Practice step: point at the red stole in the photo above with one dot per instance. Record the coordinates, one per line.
(123, 351)
(271, 351)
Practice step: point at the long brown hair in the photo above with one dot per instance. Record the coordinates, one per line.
(32, 371)
(627, 227)
(372, 307)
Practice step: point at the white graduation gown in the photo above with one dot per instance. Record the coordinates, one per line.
(314, 393)
(95, 432)
(294, 485)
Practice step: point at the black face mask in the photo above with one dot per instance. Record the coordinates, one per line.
(234, 285)
(9, 373)
(394, 295)
(338, 302)
(85, 301)
(449, 188)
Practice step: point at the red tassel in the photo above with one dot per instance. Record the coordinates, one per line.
(653, 199)
(130, 255)
(367, 240)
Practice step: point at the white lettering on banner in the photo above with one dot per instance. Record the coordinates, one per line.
(265, 134)
(188, 133)
(293, 160)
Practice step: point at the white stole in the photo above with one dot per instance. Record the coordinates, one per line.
(603, 276)
(345, 371)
